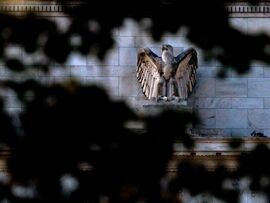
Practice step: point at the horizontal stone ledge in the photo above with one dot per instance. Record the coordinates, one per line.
(37, 7)
(210, 152)
(220, 146)
(31, 8)
(243, 9)
(210, 162)
(234, 9)
(248, 8)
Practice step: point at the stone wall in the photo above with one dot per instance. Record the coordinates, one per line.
(238, 104)
(234, 106)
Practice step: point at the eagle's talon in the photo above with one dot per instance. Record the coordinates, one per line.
(162, 98)
(177, 99)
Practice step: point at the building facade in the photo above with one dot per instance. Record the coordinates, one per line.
(234, 106)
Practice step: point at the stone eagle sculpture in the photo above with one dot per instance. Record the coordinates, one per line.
(167, 77)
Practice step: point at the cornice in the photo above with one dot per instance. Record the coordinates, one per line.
(218, 147)
(40, 8)
(243, 9)
(55, 8)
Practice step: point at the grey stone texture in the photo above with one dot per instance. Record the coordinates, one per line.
(247, 103)
(205, 87)
(234, 106)
(127, 56)
(231, 118)
(208, 117)
(213, 103)
(258, 87)
(125, 41)
(231, 87)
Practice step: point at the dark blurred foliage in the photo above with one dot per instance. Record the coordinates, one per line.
(77, 130)
(71, 144)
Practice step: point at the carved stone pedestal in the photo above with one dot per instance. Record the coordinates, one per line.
(155, 108)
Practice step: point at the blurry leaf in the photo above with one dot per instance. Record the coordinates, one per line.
(235, 143)
(58, 48)
(14, 64)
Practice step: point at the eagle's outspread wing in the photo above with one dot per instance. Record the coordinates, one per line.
(149, 68)
(187, 64)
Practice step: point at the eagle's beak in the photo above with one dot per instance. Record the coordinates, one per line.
(164, 47)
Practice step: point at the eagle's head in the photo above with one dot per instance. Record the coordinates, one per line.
(167, 47)
(167, 53)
